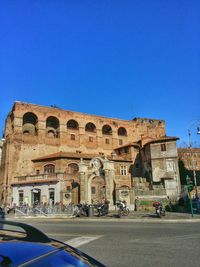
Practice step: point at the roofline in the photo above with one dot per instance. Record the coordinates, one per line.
(188, 148)
(164, 139)
(127, 145)
(83, 113)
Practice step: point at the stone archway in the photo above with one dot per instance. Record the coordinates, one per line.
(98, 167)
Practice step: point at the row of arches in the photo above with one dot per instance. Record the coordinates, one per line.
(30, 126)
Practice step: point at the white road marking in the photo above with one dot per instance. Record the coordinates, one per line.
(79, 241)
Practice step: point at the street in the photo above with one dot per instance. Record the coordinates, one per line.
(129, 243)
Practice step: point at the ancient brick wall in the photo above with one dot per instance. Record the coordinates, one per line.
(27, 142)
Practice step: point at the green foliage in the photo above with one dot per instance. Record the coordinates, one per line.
(183, 172)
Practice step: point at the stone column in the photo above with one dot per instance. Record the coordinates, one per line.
(83, 168)
(109, 179)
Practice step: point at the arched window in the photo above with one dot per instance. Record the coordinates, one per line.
(29, 123)
(106, 129)
(122, 131)
(52, 126)
(72, 124)
(90, 127)
(49, 168)
(73, 168)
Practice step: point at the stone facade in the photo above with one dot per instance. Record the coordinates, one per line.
(50, 154)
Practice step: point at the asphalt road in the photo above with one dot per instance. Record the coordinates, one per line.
(130, 243)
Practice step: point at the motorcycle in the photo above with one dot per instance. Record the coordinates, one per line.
(82, 210)
(122, 208)
(159, 209)
(103, 208)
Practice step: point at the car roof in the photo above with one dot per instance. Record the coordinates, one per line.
(18, 252)
(22, 247)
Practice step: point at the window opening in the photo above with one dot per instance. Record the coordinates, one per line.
(73, 137)
(50, 168)
(163, 147)
(107, 141)
(123, 170)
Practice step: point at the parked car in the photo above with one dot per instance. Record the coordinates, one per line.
(31, 247)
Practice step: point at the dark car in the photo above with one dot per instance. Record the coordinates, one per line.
(31, 247)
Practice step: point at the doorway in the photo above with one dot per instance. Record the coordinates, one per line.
(36, 196)
(98, 189)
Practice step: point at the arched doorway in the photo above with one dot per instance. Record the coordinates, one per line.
(98, 189)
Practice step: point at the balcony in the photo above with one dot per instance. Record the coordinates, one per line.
(40, 178)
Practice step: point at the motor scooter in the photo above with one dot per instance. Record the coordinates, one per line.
(82, 210)
(159, 209)
(103, 208)
(122, 208)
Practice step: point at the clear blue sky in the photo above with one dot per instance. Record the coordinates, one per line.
(121, 59)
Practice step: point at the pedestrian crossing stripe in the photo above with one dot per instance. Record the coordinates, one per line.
(82, 240)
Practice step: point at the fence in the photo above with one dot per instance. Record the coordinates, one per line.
(44, 210)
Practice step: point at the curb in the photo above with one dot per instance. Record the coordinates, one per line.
(147, 220)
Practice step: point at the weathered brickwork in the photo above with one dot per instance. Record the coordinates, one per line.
(190, 157)
(44, 145)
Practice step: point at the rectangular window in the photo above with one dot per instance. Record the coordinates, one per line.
(120, 142)
(73, 137)
(93, 190)
(123, 170)
(107, 141)
(37, 172)
(137, 165)
(90, 138)
(163, 147)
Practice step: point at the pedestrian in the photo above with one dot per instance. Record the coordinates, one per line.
(136, 203)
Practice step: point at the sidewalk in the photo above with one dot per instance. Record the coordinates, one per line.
(112, 216)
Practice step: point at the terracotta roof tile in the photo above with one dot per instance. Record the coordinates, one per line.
(128, 145)
(62, 154)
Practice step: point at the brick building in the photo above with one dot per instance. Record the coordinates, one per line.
(190, 157)
(189, 164)
(54, 155)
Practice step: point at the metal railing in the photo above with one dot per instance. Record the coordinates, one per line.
(44, 210)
